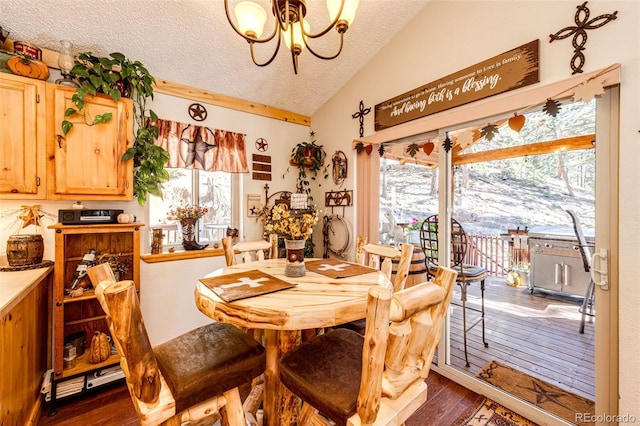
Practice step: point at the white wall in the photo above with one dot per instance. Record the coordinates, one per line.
(447, 36)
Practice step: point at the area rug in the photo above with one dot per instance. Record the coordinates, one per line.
(490, 413)
(548, 397)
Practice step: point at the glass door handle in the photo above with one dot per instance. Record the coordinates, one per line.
(600, 274)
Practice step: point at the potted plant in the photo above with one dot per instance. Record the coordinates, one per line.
(118, 76)
(309, 158)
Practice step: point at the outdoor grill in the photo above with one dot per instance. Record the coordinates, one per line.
(556, 262)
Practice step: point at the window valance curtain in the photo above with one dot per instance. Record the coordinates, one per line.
(201, 148)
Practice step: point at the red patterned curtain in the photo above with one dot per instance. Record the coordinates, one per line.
(202, 148)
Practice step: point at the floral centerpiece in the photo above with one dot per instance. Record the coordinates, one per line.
(295, 227)
(290, 226)
(188, 216)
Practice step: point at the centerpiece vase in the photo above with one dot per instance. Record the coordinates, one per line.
(294, 266)
(189, 235)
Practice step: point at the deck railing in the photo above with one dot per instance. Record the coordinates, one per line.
(493, 253)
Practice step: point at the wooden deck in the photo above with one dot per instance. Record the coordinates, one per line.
(535, 333)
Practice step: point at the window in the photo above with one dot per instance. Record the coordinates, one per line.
(213, 190)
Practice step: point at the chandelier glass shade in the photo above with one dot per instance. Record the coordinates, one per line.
(290, 25)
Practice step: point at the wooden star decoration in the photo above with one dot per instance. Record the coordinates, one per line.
(588, 90)
(580, 34)
(262, 145)
(197, 112)
(30, 215)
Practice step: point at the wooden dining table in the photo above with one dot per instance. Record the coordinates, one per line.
(315, 302)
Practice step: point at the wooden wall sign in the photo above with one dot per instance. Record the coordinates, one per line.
(261, 167)
(511, 70)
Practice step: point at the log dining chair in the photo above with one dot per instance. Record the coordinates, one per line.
(379, 378)
(188, 379)
(250, 250)
(467, 272)
(588, 303)
(382, 256)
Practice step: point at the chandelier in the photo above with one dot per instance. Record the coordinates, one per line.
(290, 24)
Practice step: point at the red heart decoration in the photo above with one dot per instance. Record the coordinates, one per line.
(428, 147)
(368, 149)
(516, 122)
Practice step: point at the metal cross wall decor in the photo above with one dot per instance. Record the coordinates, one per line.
(580, 34)
(360, 115)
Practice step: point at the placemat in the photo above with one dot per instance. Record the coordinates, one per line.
(244, 284)
(335, 268)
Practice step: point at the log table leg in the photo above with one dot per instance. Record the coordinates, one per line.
(281, 407)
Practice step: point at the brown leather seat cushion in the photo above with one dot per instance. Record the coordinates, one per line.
(208, 361)
(325, 372)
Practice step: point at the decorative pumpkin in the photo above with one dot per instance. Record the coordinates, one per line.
(100, 348)
(28, 67)
(126, 218)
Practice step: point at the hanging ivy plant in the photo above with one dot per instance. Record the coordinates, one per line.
(117, 76)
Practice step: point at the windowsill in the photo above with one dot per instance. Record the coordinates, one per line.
(182, 255)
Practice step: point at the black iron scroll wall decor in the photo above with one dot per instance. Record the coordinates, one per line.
(360, 116)
(580, 34)
(197, 112)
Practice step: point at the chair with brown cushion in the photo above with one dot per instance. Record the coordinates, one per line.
(189, 378)
(467, 272)
(379, 378)
(250, 250)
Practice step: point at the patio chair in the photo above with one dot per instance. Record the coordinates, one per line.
(467, 273)
(345, 378)
(588, 303)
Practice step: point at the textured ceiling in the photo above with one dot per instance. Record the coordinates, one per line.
(190, 42)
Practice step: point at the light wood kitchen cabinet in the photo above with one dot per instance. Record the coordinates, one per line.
(86, 163)
(84, 315)
(22, 138)
(38, 162)
(25, 312)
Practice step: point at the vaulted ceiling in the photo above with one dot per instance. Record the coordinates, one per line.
(190, 42)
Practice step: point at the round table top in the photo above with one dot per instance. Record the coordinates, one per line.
(316, 301)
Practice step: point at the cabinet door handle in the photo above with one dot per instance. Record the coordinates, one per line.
(558, 276)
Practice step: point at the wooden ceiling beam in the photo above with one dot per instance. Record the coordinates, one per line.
(50, 58)
(566, 144)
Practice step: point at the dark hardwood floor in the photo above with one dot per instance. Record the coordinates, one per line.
(112, 406)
